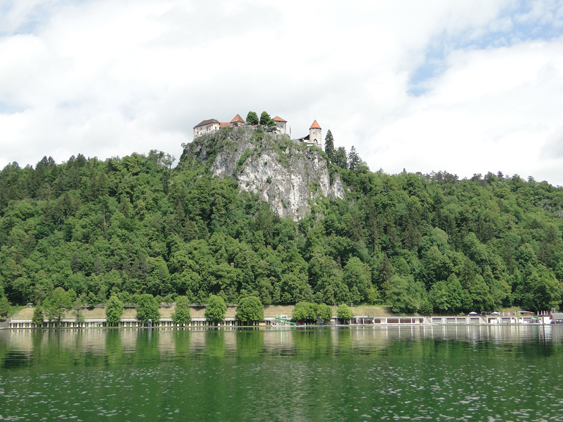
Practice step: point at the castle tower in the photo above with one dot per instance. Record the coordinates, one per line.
(315, 134)
(280, 123)
(237, 121)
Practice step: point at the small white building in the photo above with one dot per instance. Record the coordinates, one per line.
(206, 126)
(315, 135)
(213, 125)
(280, 124)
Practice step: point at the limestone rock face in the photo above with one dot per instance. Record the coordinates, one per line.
(289, 175)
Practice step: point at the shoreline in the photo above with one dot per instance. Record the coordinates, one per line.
(364, 316)
(277, 327)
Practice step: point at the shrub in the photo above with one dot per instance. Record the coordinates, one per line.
(242, 159)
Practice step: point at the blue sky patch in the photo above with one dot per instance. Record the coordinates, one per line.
(521, 29)
(7, 108)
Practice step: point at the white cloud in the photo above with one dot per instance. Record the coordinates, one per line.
(492, 110)
(543, 12)
(108, 78)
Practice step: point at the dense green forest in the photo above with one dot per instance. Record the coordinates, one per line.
(421, 243)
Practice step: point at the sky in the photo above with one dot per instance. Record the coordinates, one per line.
(466, 87)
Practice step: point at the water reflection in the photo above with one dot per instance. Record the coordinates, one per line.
(417, 373)
(109, 347)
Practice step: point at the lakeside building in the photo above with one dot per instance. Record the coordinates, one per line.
(96, 318)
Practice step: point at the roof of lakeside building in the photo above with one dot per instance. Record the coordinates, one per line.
(315, 125)
(206, 122)
(279, 119)
(224, 124)
(237, 119)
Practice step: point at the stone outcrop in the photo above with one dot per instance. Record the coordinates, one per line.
(289, 175)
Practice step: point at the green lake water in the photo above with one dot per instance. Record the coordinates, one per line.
(468, 373)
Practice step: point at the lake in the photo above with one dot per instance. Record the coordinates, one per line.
(438, 373)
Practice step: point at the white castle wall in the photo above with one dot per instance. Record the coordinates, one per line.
(315, 136)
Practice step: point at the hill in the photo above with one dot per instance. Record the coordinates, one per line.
(134, 225)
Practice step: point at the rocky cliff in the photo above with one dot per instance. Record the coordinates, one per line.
(289, 175)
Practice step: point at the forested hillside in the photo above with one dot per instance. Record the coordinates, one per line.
(421, 243)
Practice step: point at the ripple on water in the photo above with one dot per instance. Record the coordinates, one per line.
(308, 375)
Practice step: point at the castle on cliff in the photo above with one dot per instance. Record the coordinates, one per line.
(213, 125)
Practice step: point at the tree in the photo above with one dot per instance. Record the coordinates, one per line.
(455, 294)
(406, 295)
(77, 309)
(305, 312)
(440, 297)
(386, 271)
(37, 319)
(147, 308)
(545, 290)
(252, 118)
(329, 146)
(341, 158)
(372, 295)
(354, 228)
(266, 120)
(75, 263)
(357, 275)
(480, 293)
(425, 306)
(4, 307)
(114, 310)
(344, 313)
(216, 309)
(354, 159)
(181, 315)
(56, 304)
(324, 313)
(250, 309)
